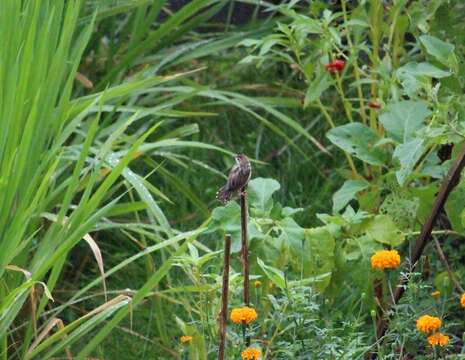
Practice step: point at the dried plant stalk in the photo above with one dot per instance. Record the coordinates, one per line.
(224, 296)
(245, 253)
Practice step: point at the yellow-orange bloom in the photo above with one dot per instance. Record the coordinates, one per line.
(428, 324)
(251, 354)
(186, 339)
(258, 284)
(385, 259)
(462, 300)
(243, 315)
(438, 339)
(436, 294)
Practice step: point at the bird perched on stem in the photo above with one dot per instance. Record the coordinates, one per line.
(238, 178)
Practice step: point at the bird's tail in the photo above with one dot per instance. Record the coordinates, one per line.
(224, 194)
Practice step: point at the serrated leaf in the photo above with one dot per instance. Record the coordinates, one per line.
(358, 140)
(347, 192)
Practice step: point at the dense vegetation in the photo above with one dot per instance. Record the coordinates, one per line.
(119, 121)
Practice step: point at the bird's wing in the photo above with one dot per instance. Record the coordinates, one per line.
(234, 178)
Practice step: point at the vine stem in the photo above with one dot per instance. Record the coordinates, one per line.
(224, 296)
(443, 258)
(245, 253)
(450, 181)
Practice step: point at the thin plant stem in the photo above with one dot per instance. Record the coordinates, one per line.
(378, 287)
(452, 277)
(355, 63)
(224, 296)
(245, 253)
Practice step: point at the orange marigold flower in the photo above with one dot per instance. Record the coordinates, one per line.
(243, 315)
(251, 354)
(462, 300)
(385, 259)
(436, 294)
(257, 284)
(428, 324)
(186, 339)
(438, 339)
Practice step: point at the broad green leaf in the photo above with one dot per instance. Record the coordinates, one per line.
(443, 283)
(402, 119)
(362, 247)
(441, 50)
(275, 275)
(454, 206)
(228, 220)
(347, 192)
(317, 87)
(422, 69)
(358, 140)
(318, 255)
(408, 155)
(382, 229)
(260, 192)
(292, 233)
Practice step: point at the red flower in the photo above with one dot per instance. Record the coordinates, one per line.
(335, 66)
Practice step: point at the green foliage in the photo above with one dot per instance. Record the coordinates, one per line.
(119, 117)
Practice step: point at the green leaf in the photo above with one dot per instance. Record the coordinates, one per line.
(228, 220)
(454, 207)
(275, 275)
(361, 247)
(317, 87)
(441, 50)
(402, 119)
(382, 229)
(408, 155)
(443, 283)
(347, 192)
(422, 69)
(261, 191)
(292, 233)
(358, 140)
(319, 250)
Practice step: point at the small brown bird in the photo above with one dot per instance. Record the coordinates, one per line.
(238, 178)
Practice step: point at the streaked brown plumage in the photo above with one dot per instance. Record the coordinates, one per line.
(238, 178)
